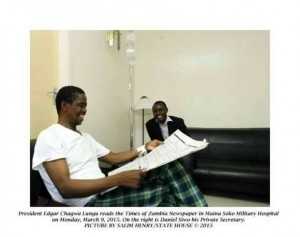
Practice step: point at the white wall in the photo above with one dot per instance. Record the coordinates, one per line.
(44, 78)
(102, 73)
(210, 78)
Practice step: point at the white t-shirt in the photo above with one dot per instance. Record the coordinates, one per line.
(81, 152)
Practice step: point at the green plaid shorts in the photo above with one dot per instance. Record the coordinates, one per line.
(168, 185)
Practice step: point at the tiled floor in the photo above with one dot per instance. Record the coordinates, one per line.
(214, 201)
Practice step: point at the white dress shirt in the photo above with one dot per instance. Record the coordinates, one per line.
(164, 127)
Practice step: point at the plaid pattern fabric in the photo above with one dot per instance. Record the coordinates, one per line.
(168, 185)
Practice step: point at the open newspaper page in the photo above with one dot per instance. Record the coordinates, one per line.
(174, 147)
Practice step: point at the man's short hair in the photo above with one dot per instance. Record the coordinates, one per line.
(160, 102)
(67, 94)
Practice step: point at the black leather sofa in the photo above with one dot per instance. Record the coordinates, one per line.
(235, 164)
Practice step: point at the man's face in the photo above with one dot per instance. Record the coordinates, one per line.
(160, 112)
(77, 110)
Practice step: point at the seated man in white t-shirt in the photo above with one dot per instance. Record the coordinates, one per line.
(67, 161)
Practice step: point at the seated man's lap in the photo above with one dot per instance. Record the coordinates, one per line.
(168, 185)
(149, 194)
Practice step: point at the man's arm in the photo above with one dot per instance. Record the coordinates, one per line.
(182, 127)
(58, 171)
(120, 157)
(150, 130)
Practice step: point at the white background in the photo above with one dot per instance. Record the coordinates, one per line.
(19, 17)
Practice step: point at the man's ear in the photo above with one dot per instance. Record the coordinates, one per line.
(64, 106)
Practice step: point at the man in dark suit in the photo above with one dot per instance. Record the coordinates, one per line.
(161, 125)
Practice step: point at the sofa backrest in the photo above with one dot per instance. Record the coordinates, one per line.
(234, 144)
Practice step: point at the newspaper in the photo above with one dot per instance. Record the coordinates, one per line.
(174, 147)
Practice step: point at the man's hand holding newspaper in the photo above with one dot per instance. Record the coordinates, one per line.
(174, 147)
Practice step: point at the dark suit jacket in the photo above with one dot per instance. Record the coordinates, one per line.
(154, 131)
